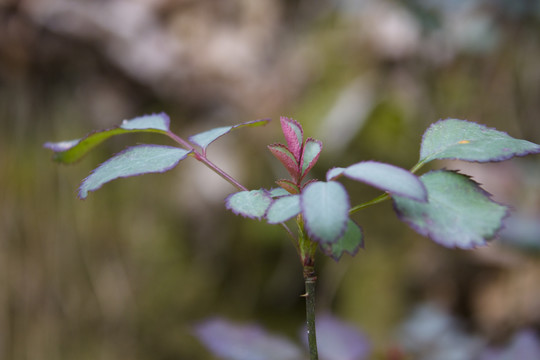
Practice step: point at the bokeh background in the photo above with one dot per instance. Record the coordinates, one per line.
(126, 273)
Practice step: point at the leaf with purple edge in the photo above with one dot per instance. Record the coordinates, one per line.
(310, 155)
(325, 206)
(207, 137)
(252, 204)
(464, 140)
(136, 160)
(334, 173)
(68, 152)
(287, 159)
(288, 185)
(459, 213)
(283, 209)
(350, 242)
(390, 178)
(231, 341)
(294, 135)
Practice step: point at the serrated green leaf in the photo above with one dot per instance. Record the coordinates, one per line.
(325, 206)
(73, 150)
(464, 140)
(207, 137)
(458, 212)
(252, 204)
(350, 242)
(386, 177)
(283, 209)
(136, 160)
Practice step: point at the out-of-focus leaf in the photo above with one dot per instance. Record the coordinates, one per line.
(294, 135)
(310, 155)
(252, 204)
(70, 151)
(207, 137)
(325, 206)
(432, 334)
(230, 341)
(287, 159)
(136, 160)
(521, 232)
(338, 340)
(458, 212)
(283, 209)
(464, 140)
(350, 242)
(390, 178)
(524, 346)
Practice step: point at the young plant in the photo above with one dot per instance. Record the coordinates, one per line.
(446, 206)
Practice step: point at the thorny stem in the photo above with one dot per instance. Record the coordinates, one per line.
(310, 280)
(307, 249)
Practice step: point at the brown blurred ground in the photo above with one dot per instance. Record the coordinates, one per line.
(124, 274)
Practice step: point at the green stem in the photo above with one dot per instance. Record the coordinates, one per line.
(381, 197)
(416, 167)
(310, 281)
(377, 200)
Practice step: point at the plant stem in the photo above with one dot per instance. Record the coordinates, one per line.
(377, 200)
(310, 280)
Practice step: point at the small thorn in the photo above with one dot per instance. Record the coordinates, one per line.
(304, 295)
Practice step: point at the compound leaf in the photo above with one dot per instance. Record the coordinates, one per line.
(350, 242)
(386, 177)
(73, 150)
(252, 204)
(207, 137)
(283, 209)
(325, 206)
(464, 140)
(458, 213)
(136, 160)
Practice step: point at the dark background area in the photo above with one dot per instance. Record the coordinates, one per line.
(127, 272)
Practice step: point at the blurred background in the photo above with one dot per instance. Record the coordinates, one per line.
(126, 273)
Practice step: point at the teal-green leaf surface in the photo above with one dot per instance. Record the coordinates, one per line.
(390, 178)
(252, 204)
(207, 137)
(464, 140)
(458, 213)
(310, 155)
(283, 209)
(136, 160)
(68, 152)
(325, 206)
(350, 242)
